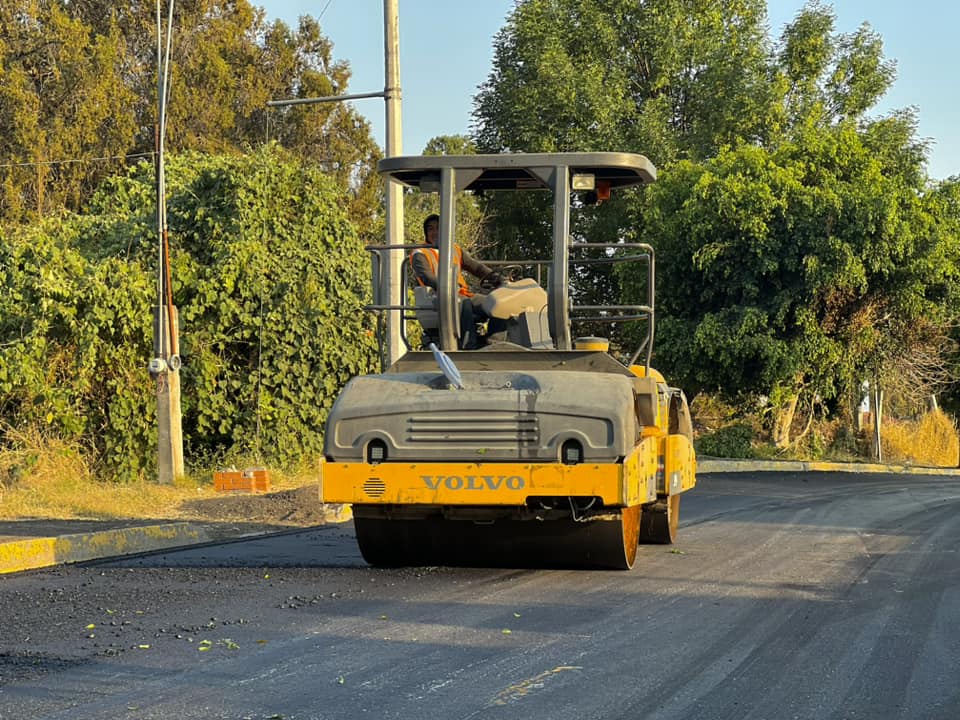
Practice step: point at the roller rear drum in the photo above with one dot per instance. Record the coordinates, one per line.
(604, 541)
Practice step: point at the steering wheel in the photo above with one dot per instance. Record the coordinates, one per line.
(507, 273)
(512, 272)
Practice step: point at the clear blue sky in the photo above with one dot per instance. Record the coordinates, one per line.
(446, 48)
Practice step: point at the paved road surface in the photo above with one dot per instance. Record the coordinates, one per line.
(788, 596)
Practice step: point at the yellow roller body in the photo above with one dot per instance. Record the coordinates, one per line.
(680, 464)
(494, 484)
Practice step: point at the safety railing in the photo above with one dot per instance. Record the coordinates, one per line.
(612, 313)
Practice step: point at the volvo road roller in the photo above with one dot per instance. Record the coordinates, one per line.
(541, 448)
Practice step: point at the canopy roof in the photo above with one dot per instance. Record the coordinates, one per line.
(522, 171)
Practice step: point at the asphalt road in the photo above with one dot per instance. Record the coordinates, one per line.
(788, 596)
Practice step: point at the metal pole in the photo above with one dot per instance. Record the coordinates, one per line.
(560, 272)
(448, 299)
(324, 99)
(877, 417)
(394, 147)
(164, 368)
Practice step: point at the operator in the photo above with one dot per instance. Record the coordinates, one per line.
(425, 262)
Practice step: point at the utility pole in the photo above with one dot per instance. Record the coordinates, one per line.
(392, 272)
(165, 365)
(394, 147)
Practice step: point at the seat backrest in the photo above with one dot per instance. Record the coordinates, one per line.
(513, 298)
(425, 307)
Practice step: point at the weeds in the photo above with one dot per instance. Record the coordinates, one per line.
(932, 441)
(47, 478)
(720, 431)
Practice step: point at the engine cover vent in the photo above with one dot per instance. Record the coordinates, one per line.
(478, 429)
(374, 487)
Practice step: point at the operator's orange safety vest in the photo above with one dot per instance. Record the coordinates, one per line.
(433, 259)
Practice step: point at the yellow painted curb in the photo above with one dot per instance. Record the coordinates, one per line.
(337, 513)
(36, 552)
(732, 466)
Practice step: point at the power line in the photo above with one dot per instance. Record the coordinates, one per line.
(77, 160)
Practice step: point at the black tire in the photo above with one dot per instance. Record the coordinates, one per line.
(659, 522)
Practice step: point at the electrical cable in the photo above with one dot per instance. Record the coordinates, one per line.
(68, 161)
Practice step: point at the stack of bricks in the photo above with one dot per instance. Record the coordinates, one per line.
(251, 480)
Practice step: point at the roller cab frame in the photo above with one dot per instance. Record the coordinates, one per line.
(540, 449)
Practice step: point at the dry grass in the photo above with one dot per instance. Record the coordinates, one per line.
(50, 480)
(932, 441)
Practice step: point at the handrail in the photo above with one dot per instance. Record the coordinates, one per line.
(405, 309)
(641, 246)
(598, 308)
(625, 313)
(643, 312)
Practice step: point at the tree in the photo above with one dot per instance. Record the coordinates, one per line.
(796, 270)
(818, 256)
(65, 108)
(667, 79)
(79, 83)
(300, 64)
(828, 77)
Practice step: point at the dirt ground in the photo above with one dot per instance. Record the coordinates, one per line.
(298, 507)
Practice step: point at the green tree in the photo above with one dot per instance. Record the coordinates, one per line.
(78, 81)
(830, 77)
(796, 269)
(299, 63)
(63, 96)
(666, 78)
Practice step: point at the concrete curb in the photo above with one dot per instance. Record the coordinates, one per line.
(36, 551)
(712, 465)
(30, 553)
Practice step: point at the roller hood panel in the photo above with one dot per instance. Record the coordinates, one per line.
(498, 416)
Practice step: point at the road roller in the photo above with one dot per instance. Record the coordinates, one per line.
(542, 448)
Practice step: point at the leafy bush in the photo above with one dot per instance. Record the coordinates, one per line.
(269, 278)
(732, 441)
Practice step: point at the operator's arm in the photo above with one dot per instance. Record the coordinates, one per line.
(422, 270)
(475, 267)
